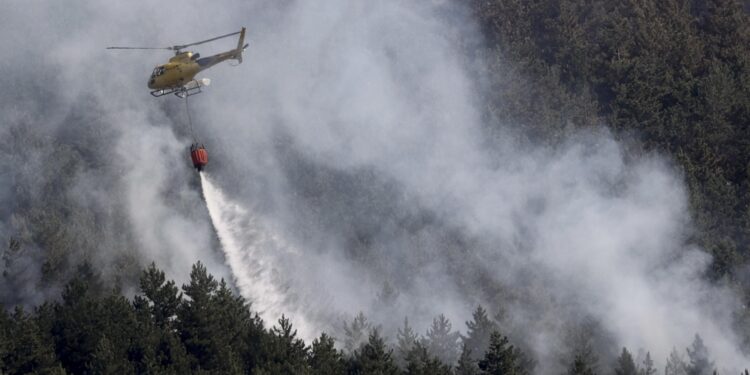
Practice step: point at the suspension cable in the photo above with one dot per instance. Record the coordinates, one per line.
(190, 120)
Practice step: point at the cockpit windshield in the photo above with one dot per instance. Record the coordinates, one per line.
(159, 70)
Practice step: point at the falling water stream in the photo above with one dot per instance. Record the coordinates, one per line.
(250, 249)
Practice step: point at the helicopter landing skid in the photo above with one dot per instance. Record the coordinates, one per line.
(192, 88)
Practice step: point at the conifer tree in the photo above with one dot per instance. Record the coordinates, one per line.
(441, 341)
(254, 339)
(118, 325)
(164, 296)
(501, 358)
(466, 365)
(105, 361)
(212, 323)
(5, 337)
(79, 321)
(675, 364)
(648, 366)
(478, 332)
(356, 332)
(420, 362)
(625, 364)
(580, 340)
(580, 366)
(406, 338)
(195, 319)
(25, 350)
(156, 349)
(699, 359)
(373, 358)
(324, 358)
(231, 322)
(284, 353)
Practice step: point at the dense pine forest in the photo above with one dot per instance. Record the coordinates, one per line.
(672, 75)
(668, 78)
(203, 327)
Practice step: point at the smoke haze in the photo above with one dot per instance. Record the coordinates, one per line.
(348, 152)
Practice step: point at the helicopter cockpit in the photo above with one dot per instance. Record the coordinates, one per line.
(159, 70)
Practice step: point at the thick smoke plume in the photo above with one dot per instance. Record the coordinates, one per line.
(349, 152)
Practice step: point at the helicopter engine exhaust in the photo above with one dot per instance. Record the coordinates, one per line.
(197, 83)
(191, 88)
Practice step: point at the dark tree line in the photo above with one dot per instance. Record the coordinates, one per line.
(672, 75)
(203, 327)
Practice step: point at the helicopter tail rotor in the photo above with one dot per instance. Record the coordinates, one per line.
(240, 46)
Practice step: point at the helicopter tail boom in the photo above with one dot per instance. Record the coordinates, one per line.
(233, 54)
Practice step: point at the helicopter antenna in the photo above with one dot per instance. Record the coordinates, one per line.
(178, 47)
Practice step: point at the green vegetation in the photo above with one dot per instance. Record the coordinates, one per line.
(673, 75)
(667, 76)
(203, 327)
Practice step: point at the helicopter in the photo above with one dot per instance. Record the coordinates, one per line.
(178, 75)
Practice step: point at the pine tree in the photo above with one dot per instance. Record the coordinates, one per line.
(155, 349)
(213, 323)
(195, 319)
(580, 367)
(466, 365)
(406, 338)
(232, 320)
(625, 364)
(254, 340)
(675, 364)
(420, 362)
(501, 358)
(373, 358)
(478, 332)
(648, 366)
(106, 361)
(79, 322)
(284, 352)
(324, 358)
(441, 342)
(164, 297)
(119, 327)
(583, 359)
(356, 332)
(699, 358)
(86, 284)
(5, 338)
(26, 350)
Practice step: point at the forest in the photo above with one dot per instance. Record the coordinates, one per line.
(667, 77)
(203, 327)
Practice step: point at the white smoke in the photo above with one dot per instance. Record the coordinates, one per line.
(351, 151)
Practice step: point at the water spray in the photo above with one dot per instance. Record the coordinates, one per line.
(249, 251)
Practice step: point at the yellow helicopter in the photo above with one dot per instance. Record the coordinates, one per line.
(178, 75)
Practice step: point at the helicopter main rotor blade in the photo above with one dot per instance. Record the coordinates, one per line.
(167, 48)
(179, 47)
